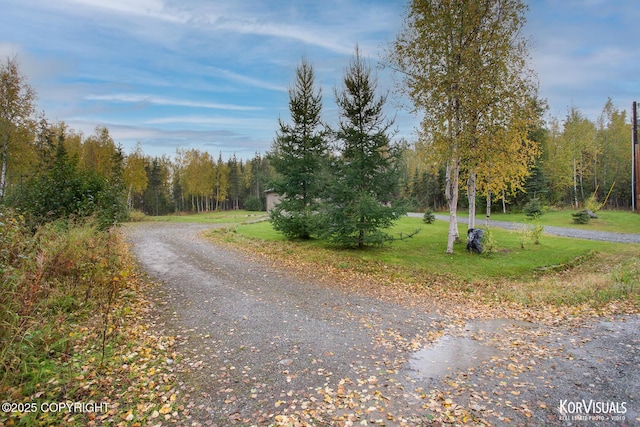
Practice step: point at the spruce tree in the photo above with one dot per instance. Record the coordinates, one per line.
(362, 201)
(298, 155)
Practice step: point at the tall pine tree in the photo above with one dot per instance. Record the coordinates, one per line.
(298, 155)
(362, 201)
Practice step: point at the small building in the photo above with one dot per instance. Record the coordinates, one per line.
(271, 199)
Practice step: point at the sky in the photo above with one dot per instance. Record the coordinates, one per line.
(214, 74)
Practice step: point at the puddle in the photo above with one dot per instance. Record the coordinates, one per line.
(458, 353)
(449, 354)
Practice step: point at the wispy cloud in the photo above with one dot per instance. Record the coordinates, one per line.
(250, 81)
(158, 100)
(148, 8)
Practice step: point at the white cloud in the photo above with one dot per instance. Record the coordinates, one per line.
(149, 8)
(9, 50)
(251, 81)
(235, 122)
(159, 100)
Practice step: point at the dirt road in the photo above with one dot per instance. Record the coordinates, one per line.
(259, 346)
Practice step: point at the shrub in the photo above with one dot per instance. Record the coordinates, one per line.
(533, 208)
(49, 281)
(253, 204)
(63, 191)
(489, 243)
(137, 216)
(428, 217)
(536, 231)
(530, 232)
(592, 204)
(581, 217)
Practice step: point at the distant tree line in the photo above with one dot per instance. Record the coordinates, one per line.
(579, 159)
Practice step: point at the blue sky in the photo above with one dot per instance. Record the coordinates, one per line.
(214, 74)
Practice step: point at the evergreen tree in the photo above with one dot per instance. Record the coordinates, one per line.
(298, 155)
(157, 197)
(234, 168)
(363, 195)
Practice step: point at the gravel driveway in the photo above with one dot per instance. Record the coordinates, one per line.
(259, 346)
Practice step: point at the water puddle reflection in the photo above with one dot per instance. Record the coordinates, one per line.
(452, 354)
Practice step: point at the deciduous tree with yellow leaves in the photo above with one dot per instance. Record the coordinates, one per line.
(464, 66)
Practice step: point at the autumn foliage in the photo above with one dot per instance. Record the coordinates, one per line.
(69, 329)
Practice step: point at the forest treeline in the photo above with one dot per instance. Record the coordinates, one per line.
(43, 161)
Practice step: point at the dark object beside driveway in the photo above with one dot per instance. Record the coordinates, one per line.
(474, 240)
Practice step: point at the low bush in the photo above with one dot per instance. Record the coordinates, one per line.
(137, 216)
(75, 327)
(581, 217)
(428, 217)
(533, 208)
(253, 204)
(50, 281)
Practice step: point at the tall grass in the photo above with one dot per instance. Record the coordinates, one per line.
(50, 281)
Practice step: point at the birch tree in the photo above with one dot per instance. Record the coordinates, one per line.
(17, 99)
(135, 175)
(464, 66)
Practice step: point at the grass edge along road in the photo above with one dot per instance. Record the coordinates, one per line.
(561, 272)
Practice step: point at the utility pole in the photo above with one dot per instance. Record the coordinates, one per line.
(635, 155)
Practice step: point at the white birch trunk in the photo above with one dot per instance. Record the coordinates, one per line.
(575, 183)
(488, 217)
(3, 174)
(471, 194)
(452, 180)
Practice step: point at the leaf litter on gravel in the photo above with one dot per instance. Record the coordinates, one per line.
(370, 399)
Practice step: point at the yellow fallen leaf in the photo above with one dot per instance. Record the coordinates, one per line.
(166, 408)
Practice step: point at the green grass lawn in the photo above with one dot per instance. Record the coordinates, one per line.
(559, 270)
(574, 272)
(425, 251)
(217, 217)
(613, 221)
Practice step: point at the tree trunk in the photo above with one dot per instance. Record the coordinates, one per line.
(471, 194)
(3, 174)
(581, 179)
(451, 190)
(575, 183)
(488, 208)
(129, 200)
(504, 202)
